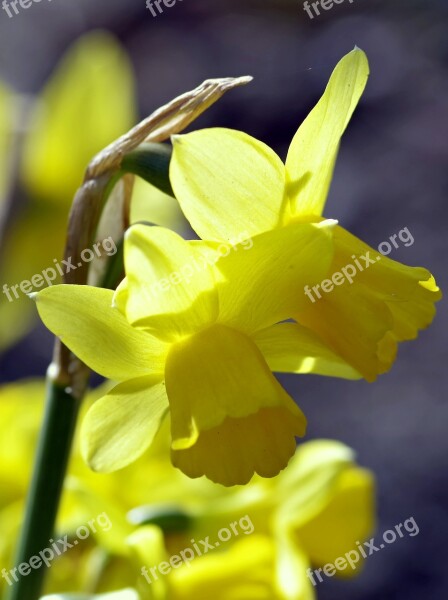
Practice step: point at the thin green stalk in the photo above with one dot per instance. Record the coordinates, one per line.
(50, 466)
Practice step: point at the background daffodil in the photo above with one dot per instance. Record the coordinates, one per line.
(225, 180)
(88, 101)
(310, 513)
(193, 351)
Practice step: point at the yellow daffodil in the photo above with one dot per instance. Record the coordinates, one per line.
(176, 339)
(227, 181)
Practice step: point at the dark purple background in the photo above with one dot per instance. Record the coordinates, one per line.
(392, 173)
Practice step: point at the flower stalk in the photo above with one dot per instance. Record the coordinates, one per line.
(46, 487)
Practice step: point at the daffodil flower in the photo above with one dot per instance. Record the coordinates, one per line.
(196, 346)
(226, 180)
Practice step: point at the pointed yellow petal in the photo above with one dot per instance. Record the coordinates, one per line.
(292, 566)
(83, 318)
(121, 426)
(327, 502)
(307, 485)
(314, 149)
(168, 289)
(386, 302)
(291, 348)
(263, 284)
(226, 180)
(222, 395)
(348, 518)
(148, 545)
(85, 106)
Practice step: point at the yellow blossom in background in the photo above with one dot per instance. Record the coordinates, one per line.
(225, 180)
(88, 101)
(315, 510)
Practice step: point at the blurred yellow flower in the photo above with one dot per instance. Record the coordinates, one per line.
(88, 102)
(309, 514)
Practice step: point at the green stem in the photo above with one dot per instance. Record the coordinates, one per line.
(51, 462)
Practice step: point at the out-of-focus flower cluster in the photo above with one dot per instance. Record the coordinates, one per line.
(309, 515)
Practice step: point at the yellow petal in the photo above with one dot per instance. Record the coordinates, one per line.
(222, 395)
(121, 426)
(148, 546)
(168, 289)
(226, 180)
(291, 348)
(308, 484)
(314, 148)
(243, 572)
(348, 518)
(292, 566)
(386, 302)
(86, 105)
(263, 284)
(83, 317)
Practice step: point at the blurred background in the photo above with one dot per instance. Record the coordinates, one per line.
(391, 174)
